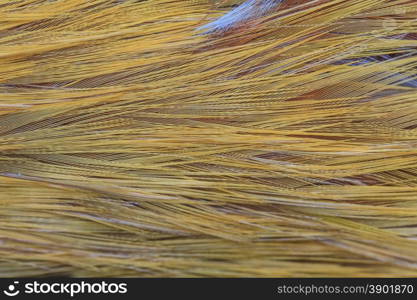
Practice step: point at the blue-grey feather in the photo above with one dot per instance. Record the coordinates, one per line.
(251, 9)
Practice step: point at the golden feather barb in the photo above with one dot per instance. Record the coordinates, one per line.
(133, 143)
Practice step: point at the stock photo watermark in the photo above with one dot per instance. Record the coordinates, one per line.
(60, 288)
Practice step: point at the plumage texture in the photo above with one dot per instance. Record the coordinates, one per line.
(133, 143)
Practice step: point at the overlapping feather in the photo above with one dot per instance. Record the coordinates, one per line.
(133, 145)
